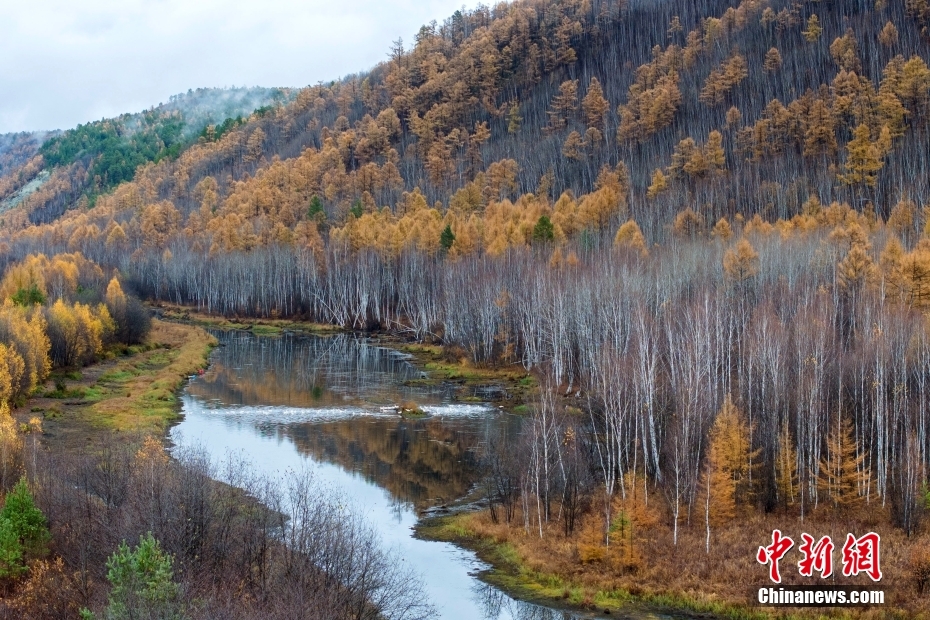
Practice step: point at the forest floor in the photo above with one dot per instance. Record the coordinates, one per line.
(654, 573)
(132, 392)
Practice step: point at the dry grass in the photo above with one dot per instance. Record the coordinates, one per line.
(264, 327)
(134, 392)
(655, 571)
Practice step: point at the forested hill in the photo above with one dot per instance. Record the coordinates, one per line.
(726, 107)
(96, 157)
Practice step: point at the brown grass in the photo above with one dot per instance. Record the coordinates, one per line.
(580, 570)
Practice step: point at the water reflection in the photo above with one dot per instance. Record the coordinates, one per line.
(496, 604)
(285, 401)
(312, 392)
(312, 372)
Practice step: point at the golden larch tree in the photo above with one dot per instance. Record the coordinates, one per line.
(786, 468)
(659, 184)
(741, 262)
(629, 236)
(864, 159)
(594, 105)
(726, 470)
(844, 476)
(722, 230)
(772, 62)
(563, 104)
(813, 30)
(889, 35)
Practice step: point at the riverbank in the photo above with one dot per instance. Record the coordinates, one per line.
(683, 579)
(516, 574)
(259, 327)
(132, 393)
(126, 394)
(512, 573)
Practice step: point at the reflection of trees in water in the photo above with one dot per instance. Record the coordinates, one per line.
(306, 371)
(495, 605)
(418, 461)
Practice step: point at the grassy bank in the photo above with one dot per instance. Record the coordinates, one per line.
(134, 391)
(261, 327)
(512, 573)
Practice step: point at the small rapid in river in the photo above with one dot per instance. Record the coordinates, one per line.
(292, 402)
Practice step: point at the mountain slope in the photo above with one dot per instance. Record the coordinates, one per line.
(95, 157)
(484, 88)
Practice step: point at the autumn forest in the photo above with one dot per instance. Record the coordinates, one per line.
(703, 227)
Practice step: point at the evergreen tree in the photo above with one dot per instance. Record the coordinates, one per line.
(26, 520)
(142, 583)
(11, 551)
(447, 238)
(31, 296)
(544, 230)
(315, 208)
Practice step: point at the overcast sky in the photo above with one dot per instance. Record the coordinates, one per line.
(64, 62)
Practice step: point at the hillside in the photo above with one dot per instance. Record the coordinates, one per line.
(94, 158)
(510, 84)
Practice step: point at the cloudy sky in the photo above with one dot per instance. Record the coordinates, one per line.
(64, 62)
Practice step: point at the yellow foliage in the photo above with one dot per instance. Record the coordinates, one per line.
(78, 333)
(114, 295)
(742, 262)
(630, 236)
(722, 230)
(11, 447)
(659, 184)
(758, 226)
(844, 474)
(22, 332)
(728, 464)
(23, 275)
(688, 224)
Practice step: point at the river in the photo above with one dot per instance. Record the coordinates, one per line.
(293, 401)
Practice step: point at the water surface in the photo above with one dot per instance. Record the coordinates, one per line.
(292, 401)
